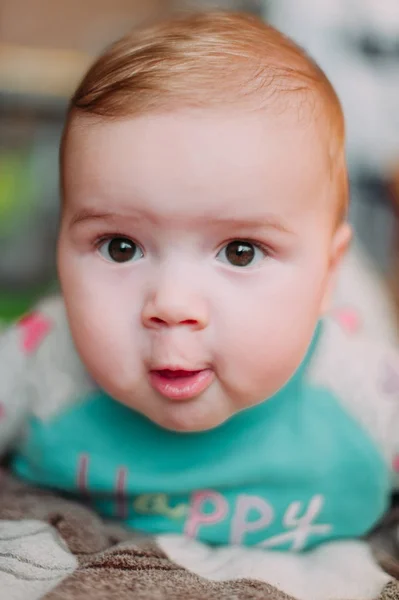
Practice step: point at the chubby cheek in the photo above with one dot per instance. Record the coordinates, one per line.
(103, 321)
(102, 348)
(271, 334)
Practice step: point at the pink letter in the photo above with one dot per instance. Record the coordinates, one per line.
(240, 525)
(82, 474)
(197, 517)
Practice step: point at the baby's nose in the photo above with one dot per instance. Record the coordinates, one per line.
(170, 307)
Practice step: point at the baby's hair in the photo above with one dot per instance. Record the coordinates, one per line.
(212, 58)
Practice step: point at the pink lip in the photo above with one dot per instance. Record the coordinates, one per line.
(179, 384)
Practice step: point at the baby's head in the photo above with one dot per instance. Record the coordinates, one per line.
(204, 201)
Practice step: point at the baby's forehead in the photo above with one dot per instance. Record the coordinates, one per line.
(294, 116)
(190, 165)
(234, 132)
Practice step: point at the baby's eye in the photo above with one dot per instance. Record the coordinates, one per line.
(120, 250)
(241, 254)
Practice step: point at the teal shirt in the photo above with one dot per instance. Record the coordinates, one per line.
(288, 474)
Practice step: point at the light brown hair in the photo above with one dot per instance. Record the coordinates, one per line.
(207, 59)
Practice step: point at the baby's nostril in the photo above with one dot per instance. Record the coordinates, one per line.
(157, 320)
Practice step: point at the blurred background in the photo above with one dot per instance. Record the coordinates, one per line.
(46, 45)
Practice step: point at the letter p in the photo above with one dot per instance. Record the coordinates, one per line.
(241, 525)
(197, 517)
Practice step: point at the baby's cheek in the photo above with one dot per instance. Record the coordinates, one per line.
(263, 353)
(97, 339)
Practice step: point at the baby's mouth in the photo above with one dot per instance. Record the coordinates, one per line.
(179, 384)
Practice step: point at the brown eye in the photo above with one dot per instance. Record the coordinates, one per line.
(240, 254)
(121, 250)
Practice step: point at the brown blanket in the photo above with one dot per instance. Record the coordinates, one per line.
(56, 549)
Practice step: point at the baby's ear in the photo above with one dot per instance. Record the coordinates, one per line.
(339, 245)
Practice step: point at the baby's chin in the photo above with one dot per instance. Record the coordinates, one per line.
(192, 416)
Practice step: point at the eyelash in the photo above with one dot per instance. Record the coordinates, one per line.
(263, 247)
(110, 236)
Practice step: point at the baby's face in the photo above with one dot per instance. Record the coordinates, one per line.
(195, 254)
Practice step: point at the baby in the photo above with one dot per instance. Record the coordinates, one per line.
(189, 379)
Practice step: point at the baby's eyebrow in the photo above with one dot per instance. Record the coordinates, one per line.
(259, 222)
(88, 214)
